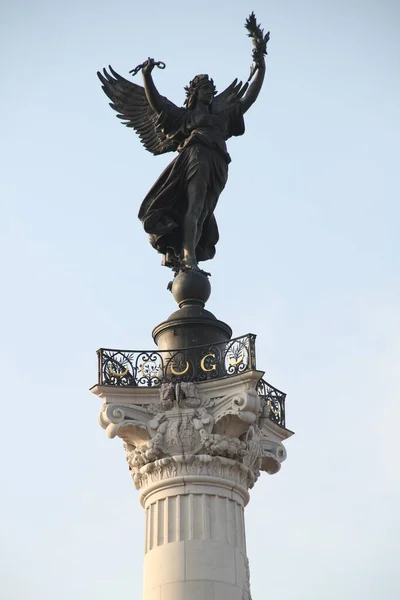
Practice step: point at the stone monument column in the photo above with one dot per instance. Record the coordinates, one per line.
(198, 421)
(194, 451)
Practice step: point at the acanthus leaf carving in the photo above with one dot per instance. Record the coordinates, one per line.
(185, 424)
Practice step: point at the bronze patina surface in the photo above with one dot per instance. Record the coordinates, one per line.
(178, 211)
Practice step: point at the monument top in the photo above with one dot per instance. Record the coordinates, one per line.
(178, 211)
(198, 421)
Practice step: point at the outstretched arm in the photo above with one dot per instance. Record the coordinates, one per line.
(254, 89)
(154, 98)
(260, 41)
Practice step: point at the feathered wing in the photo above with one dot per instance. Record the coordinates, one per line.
(130, 101)
(233, 93)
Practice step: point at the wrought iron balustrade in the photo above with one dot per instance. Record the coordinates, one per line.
(131, 368)
(275, 400)
(151, 368)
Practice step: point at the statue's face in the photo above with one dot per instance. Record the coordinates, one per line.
(205, 94)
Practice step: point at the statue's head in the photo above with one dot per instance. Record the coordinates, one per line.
(201, 89)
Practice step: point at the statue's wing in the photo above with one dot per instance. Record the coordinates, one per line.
(130, 101)
(230, 95)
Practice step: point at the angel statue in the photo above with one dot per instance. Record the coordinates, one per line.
(178, 211)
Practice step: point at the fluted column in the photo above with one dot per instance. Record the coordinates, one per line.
(195, 536)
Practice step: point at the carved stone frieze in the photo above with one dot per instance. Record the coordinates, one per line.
(185, 429)
(201, 465)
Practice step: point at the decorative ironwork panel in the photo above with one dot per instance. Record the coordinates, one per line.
(138, 368)
(275, 400)
(154, 367)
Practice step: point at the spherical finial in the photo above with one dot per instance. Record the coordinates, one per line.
(191, 287)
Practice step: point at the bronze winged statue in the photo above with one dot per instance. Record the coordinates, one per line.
(178, 211)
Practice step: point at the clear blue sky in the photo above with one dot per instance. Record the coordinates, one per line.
(308, 259)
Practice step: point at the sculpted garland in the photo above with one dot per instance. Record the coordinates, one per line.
(178, 211)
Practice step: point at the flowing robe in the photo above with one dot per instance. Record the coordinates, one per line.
(202, 150)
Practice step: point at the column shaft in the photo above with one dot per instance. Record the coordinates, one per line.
(195, 545)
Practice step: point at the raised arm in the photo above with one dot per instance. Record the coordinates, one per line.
(254, 89)
(260, 41)
(154, 98)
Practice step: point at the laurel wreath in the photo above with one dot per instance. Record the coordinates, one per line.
(256, 33)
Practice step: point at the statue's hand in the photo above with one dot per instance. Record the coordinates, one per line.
(260, 41)
(148, 66)
(259, 61)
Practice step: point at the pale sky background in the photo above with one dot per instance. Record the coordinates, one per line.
(308, 260)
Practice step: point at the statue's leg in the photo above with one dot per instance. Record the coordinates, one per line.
(196, 194)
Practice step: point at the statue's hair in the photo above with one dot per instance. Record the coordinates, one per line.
(194, 85)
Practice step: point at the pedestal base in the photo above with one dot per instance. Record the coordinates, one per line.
(189, 327)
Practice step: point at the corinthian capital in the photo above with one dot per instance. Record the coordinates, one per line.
(228, 420)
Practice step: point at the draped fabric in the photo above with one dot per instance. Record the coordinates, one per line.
(202, 151)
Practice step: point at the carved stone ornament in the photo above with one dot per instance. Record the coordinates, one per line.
(188, 432)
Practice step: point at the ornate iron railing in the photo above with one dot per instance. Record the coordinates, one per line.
(275, 400)
(153, 367)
